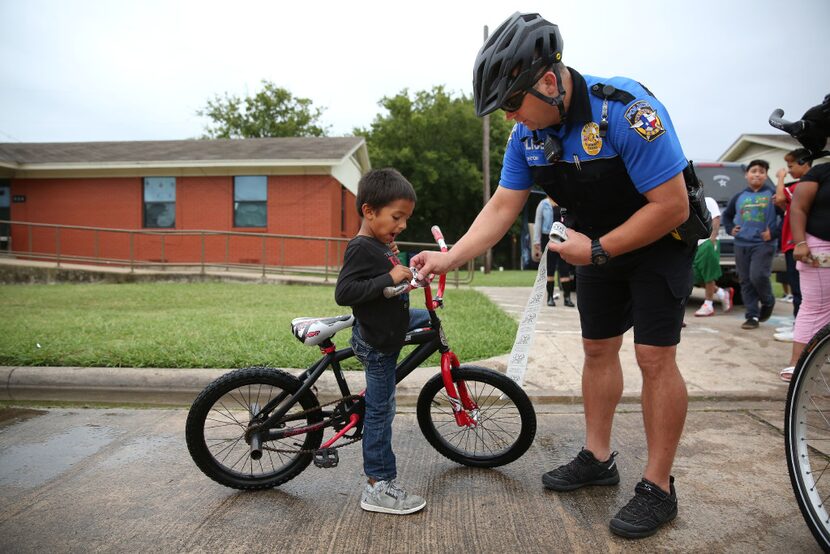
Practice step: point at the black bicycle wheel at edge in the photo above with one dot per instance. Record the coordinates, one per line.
(807, 435)
(505, 419)
(219, 418)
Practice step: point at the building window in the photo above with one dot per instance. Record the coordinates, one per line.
(250, 201)
(159, 202)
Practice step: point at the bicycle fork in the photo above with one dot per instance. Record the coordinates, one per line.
(459, 399)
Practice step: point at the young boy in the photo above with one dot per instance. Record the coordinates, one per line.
(750, 217)
(385, 200)
(797, 168)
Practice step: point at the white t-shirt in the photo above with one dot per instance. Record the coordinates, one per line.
(714, 211)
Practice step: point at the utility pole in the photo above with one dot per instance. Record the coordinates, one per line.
(485, 170)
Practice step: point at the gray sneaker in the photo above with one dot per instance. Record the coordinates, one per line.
(387, 497)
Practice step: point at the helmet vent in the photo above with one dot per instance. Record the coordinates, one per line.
(494, 72)
(508, 39)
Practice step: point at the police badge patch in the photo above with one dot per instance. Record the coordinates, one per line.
(643, 119)
(591, 141)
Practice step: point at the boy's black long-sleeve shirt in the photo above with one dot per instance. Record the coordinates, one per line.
(365, 273)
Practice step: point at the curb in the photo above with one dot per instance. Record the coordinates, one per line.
(179, 387)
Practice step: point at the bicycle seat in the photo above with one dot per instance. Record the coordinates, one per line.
(311, 331)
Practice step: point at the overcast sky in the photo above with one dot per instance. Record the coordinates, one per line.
(86, 70)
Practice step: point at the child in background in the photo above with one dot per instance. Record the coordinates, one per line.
(797, 168)
(385, 201)
(706, 267)
(750, 217)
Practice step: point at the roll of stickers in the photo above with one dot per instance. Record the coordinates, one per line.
(517, 363)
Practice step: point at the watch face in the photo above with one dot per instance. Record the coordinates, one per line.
(598, 255)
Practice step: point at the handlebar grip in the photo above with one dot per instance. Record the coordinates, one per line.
(776, 120)
(389, 292)
(439, 237)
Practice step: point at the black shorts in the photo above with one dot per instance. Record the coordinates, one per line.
(555, 262)
(646, 289)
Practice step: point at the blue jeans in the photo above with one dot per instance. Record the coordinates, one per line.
(754, 264)
(378, 458)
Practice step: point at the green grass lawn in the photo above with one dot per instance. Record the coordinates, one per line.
(219, 325)
(507, 278)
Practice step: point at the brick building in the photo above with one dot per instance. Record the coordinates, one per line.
(172, 190)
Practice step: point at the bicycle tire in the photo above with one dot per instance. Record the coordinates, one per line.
(807, 434)
(223, 408)
(505, 417)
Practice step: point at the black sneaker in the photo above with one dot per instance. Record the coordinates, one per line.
(766, 311)
(583, 470)
(650, 508)
(750, 323)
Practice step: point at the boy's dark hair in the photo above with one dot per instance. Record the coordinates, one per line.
(381, 187)
(762, 163)
(799, 155)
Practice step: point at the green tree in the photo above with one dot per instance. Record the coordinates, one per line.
(435, 141)
(272, 112)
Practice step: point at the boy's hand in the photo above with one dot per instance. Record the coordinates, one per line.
(393, 246)
(400, 273)
(766, 235)
(735, 230)
(781, 173)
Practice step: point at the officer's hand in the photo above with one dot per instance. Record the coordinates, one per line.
(537, 252)
(576, 250)
(429, 262)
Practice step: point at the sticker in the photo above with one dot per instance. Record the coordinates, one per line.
(643, 119)
(591, 141)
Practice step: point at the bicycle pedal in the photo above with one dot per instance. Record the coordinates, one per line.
(326, 457)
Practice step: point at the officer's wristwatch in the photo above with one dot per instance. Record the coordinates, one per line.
(599, 256)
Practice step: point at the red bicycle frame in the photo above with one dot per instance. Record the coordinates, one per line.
(459, 399)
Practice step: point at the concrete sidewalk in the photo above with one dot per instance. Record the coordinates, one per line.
(719, 360)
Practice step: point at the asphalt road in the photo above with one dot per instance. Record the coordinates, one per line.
(117, 480)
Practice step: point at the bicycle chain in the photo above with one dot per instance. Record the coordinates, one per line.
(311, 410)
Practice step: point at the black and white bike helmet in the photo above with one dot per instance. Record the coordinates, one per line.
(514, 57)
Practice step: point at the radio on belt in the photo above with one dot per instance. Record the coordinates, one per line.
(558, 232)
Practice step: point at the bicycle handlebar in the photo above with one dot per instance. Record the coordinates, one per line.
(419, 281)
(789, 127)
(442, 279)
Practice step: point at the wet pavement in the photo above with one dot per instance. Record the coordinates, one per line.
(116, 480)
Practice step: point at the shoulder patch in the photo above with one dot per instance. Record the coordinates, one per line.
(644, 120)
(591, 141)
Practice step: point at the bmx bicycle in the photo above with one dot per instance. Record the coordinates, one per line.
(258, 427)
(807, 412)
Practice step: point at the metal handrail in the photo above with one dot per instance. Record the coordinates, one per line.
(61, 254)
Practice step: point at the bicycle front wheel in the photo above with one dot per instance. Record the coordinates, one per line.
(807, 434)
(219, 420)
(505, 421)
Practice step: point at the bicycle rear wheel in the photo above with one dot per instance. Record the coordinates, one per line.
(807, 435)
(505, 418)
(218, 421)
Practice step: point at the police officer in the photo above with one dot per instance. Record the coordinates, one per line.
(606, 150)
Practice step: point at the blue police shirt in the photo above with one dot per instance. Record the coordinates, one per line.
(640, 133)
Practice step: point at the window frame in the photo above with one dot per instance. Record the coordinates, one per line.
(145, 204)
(235, 204)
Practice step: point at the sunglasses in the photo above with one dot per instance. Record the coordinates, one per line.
(515, 102)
